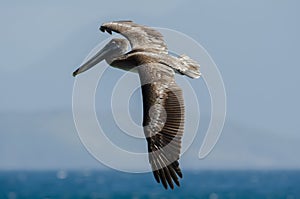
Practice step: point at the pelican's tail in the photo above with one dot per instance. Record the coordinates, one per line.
(191, 67)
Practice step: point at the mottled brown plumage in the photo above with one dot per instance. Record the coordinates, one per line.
(163, 105)
(139, 36)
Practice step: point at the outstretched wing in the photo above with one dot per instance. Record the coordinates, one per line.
(163, 121)
(140, 37)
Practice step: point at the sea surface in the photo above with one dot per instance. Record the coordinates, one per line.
(113, 184)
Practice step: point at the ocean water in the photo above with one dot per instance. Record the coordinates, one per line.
(112, 184)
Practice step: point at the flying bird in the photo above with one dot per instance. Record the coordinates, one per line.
(163, 106)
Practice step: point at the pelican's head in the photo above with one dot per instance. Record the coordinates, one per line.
(113, 49)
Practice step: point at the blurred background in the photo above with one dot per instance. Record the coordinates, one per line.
(255, 45)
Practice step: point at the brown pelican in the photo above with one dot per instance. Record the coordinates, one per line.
(163, 105)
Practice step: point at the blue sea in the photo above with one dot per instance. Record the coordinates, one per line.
(113, 184)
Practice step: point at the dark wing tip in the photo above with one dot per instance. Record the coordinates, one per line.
(175, 166)
(163, 178)
(167, 176)
(109, 31)
(156, 176)
(102, 28)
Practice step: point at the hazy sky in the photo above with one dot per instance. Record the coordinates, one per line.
(255, 45)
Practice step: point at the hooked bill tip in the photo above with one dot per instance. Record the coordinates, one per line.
(75, 73)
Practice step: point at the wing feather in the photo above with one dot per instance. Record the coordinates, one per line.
(163, 121)
(140, 37)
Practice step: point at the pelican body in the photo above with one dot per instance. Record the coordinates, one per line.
(163, 116)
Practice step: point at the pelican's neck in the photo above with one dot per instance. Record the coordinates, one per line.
(123, 62)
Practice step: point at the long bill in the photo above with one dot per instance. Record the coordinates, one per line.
(101, 55)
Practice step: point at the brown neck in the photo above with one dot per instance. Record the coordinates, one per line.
(124, 63)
